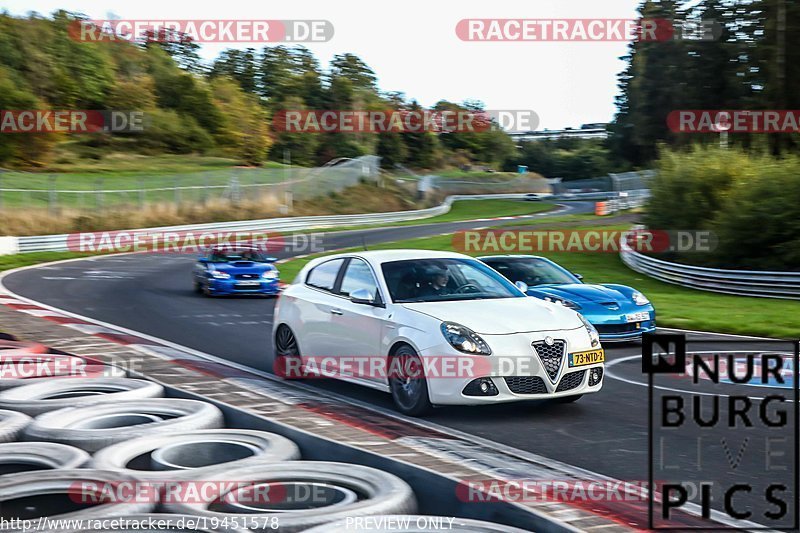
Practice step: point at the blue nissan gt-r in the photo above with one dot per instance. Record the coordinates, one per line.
(225, 270)
(619, 312)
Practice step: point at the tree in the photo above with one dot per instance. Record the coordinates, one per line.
(21, 148)
(391, 149)
(422, 148)
(239, 65)
(351, 67)
(244, 132)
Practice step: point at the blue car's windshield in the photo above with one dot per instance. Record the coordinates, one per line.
(436, 280)
(227, 256)
(532, 270)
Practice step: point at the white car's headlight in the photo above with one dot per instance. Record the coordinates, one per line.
(270, 274)
(562, 301)
(464, 339)
(639, 298)
(220, 275)
(594, 336)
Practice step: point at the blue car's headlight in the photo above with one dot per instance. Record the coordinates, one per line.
(219, 275)
(270, 274)
(594, 336)
(639, 298)
(464, 339)
(562, 301)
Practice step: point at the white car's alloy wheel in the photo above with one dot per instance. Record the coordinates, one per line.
(408, 384)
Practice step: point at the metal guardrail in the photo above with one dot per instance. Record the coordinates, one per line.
(762, 284)
(59, 243)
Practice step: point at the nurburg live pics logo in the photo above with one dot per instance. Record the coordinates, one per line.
(711, 423)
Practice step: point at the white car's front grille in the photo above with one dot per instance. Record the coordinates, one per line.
(526, 385)
(552, 355)
(571, 381)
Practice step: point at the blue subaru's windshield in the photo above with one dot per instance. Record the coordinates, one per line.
(228, 256)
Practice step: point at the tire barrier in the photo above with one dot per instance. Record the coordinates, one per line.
(195, 453)
(51, 394)
(156, 523)
(413, 524)
(305, 494)
(97, 426)
(188, 474)
(57, 494)
(12, 424)
(17, 457)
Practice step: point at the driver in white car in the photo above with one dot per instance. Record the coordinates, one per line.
(439, 276)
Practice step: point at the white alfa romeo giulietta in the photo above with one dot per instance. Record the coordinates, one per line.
(432, 328)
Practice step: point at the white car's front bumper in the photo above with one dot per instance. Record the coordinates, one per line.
(515, 370)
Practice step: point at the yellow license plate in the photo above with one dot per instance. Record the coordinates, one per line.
(587, 358)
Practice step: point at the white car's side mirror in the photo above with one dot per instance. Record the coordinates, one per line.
(521, 285)
(362, 296)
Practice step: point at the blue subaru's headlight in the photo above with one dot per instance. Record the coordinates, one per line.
(219, 275)
(270, 274)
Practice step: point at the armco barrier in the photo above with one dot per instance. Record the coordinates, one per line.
(763, 284)
(58, 243)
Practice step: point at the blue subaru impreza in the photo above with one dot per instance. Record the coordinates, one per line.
(619, 312)
(227, 270)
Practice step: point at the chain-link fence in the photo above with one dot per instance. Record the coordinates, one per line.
(28, 190)
(622, 182)
(491, 183)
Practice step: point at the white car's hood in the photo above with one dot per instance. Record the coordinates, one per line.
(502, 316)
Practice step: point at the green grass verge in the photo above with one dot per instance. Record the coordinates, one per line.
(472, 209)
(122, 176)
(121, 163)
(480, 175)
(9, 262)
(463, 210)
(676, 307)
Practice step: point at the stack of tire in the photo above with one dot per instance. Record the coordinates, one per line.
(67, 445)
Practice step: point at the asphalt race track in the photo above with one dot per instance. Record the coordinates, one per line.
(605, 433)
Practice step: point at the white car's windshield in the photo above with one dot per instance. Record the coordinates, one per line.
(434, 280)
